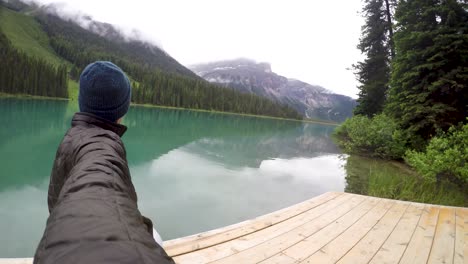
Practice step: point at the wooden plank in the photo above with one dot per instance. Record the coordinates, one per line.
(337, 248)
(365, 250)
(465, 231)
(233, 246)
(313, 243)
(279, 259)
(273, 246)
(443, 245)
(203, 240)
(461, 237)
(420, 244)
(395, 246)
(465, 249)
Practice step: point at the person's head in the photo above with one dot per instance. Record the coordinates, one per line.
(104, 91)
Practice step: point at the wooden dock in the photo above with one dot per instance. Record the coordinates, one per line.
(333, 228)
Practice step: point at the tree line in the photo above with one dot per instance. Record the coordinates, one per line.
(413, 87)
(22, 74)
(415, 67)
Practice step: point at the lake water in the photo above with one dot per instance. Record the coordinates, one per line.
(193, 171)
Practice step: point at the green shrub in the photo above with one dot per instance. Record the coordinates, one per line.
(378, 137)
(446, 156)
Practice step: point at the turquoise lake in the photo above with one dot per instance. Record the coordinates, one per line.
(193, 171)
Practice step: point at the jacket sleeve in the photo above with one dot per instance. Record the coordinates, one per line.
(95, 218)
(59, 173)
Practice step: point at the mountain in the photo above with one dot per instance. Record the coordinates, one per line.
(247, 76)
(37, 39)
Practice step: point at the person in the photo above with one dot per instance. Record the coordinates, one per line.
(94, 217)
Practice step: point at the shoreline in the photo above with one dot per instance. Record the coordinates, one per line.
(26, 96)
(238, 114)
(29, 96)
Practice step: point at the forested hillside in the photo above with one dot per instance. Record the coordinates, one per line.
(39, 34)
(29, 75)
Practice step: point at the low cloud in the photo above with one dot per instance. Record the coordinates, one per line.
(110, 31)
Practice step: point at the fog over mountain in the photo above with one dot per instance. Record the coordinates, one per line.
(68, 13)
(248, 76)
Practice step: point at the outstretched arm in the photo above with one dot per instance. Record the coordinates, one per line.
(95, 218)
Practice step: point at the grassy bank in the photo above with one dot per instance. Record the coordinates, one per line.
(72, 90)
(395, 180)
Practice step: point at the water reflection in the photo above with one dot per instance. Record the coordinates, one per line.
(154, 132)
(30, 133)
(186, 193)
(23, 215)
(193, 171)
(306, 140)
(229, 139)
(357, 175)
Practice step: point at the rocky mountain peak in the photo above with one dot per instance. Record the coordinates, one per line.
(248, 76)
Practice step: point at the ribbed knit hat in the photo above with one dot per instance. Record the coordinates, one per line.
(104, 91)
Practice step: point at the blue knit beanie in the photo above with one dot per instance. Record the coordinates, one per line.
(104, 91)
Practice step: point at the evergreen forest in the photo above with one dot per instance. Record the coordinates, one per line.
(413, 99)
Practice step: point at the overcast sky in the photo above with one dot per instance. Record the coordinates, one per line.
(313, 41)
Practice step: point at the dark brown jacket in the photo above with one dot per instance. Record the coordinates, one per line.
(94, 216)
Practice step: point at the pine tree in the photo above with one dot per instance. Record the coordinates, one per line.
(376, 43)
(430, 74)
